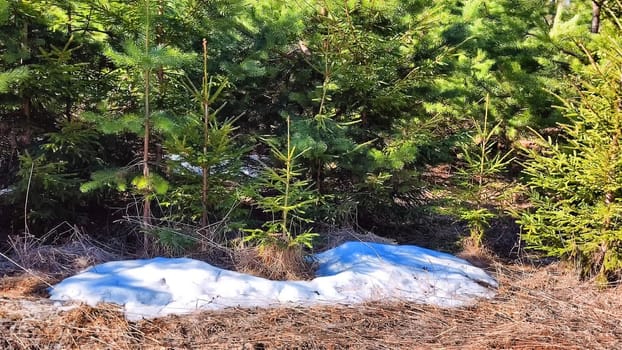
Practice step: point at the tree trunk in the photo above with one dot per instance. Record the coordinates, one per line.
(595, 16)
(147, 204)
(147, 124)
(159, 41)
(205, 169)
(146, 173)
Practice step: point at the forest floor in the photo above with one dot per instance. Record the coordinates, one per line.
(540, 304)
(536, 308)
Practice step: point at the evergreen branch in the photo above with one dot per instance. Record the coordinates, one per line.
(12, 76)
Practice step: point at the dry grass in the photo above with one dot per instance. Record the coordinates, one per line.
(274, 262)
(44, 254)
(337, 237)
(289, 263)
(476, 253)
(103, 327)
(30, 285)
(537, 308)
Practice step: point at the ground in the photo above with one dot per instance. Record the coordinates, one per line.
(543, 307)
(540, 304)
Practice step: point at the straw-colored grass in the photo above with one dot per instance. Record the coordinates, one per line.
(274, 262)
(45, 254)
(536, 308)
(292, 262)
(543, 307)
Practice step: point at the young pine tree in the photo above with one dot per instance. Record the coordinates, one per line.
(576, 184)
(280, 241)
(143, 62)
(482, 163)
(207, 162)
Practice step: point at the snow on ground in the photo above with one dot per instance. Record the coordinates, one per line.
(251, 168)
(352, 273)
(4, 191)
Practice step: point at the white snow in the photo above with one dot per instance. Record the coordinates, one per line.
(251, 168)
(352, 273)
(185, 164)
(4, 191)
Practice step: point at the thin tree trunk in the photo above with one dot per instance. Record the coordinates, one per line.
(69, 19)
(147, 124)
(68, 100)
(595, 17)
(24, 44)
(26, 110)
(159, 41)
(146, 138)
(146, 171)
(205, 168)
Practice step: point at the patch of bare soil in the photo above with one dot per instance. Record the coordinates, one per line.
(536, 308)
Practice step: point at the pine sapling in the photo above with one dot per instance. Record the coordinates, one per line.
(279, 237)
(482, 162)
(576, 183)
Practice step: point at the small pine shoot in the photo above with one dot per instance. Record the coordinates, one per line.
(292, 197)
(482, 162)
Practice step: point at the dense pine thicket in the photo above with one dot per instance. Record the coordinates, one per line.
(281, 117)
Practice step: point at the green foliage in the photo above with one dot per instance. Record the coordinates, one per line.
(143, 61)
(77, 144)
(287, 204)
(218, 155)
(11, 76)
(479, 154)
(95, 90)
(205, 144)
(478, 220)
(270, 235)
(64, 159)
(135, 56)
(111, 124)
(153, 183)
(45, 191)
(53, 69)
(576, 183)
(113, 178)
(356, 94)
(172, 241)
(482, 162)
(502, 49)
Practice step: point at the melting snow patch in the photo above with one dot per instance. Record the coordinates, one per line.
(352, 273)
(5, 191)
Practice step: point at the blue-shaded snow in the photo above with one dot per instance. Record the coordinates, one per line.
(360, 254)
(351, 273)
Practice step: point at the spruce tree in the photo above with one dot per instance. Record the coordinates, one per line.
(576, 183)
(204, 145)
(48, 72)
(142, 62)
(8, 76)
(502, 49)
